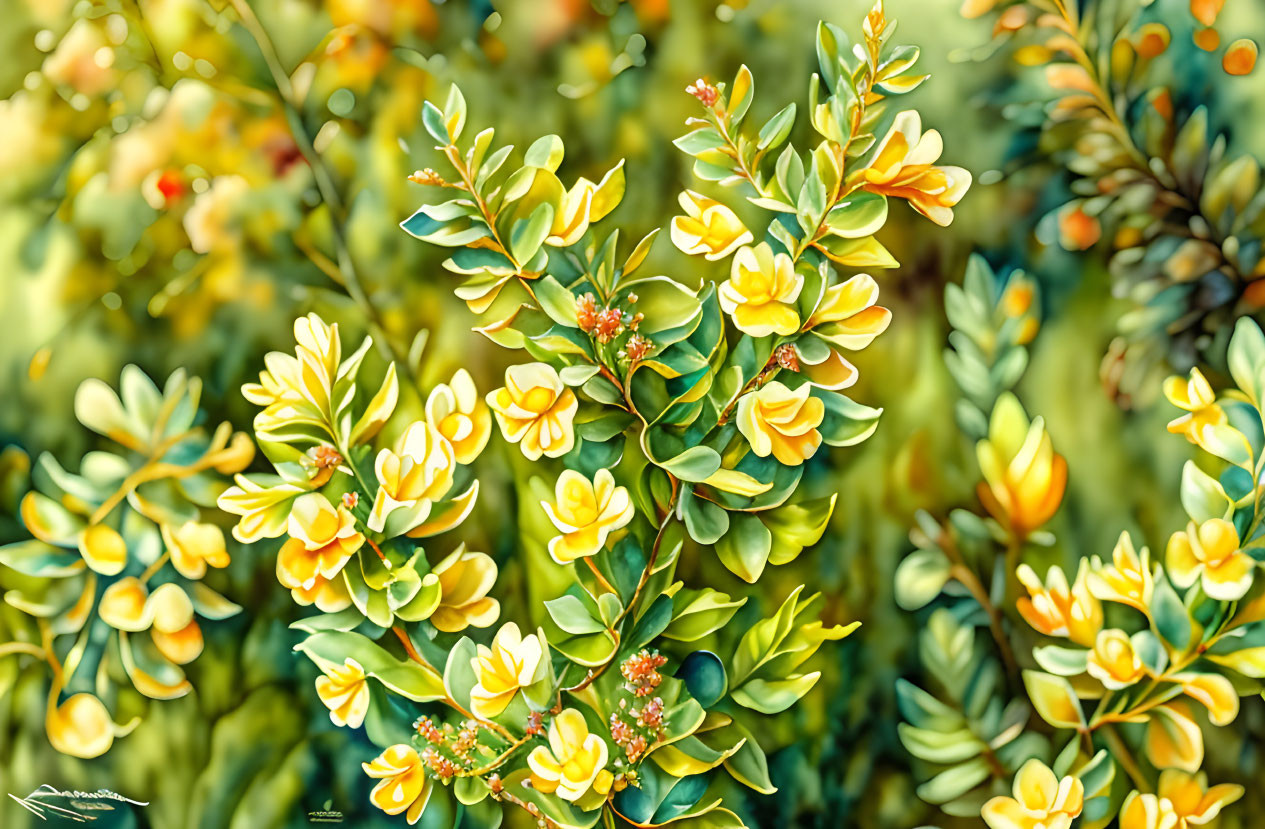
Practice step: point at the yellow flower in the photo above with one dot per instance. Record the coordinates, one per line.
(574, 762)
(322, 540)
(514, 661)
(102, 548)
(1182, 800)
(1024, 477)
(175, 632)
(1196, 397)
(585, 203)
(1127, 580)
(264, 510)
(1214, 692)
(1210, 553)
(1041, 801)
(783, 423)
(402, 782)
(535, 410)
(585, 512)
(708, 227)
(1173, 739)
(193, 546)
(761, 291)
(411, 478)
(1057, 610)
(80, 726)
(464, 581)
(297, 388)
(345, 692)
(904, 166)
(850, 306)
(460, 415)
(124, 606)
(1113, 661)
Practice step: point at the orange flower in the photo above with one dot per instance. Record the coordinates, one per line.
(1057, 610)
(1024, 477)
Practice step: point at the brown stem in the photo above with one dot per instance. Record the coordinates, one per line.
(967, 578)
(598, 575)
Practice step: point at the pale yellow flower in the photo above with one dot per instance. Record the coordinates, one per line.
(780, 422)
(402, 782)
(103, 549)
(854, 320)
(585, 513)
(80, 726)
(1041, 801)
(1173, 739)
(1182, 800)
(1024, 478)
(175, 632)
(1055, 609)
(1127, 579)
(761, 292)
(124, 605)
(264, 510)
(708, 227)
(322, 540)
(460, 415)
(344, 690)
(535, 410)
(464, 581)
(411, 478)
(1113, 661)
(574, 762)
(583, 204)
(1196, 397)
(904, 167)
(513, 662)
(1209, 553)
(193, 546)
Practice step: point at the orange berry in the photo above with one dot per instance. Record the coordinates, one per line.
(1240, 57)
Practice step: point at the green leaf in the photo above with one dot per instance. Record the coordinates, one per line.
(745, 548)
(704, 677)
(706, 522)
(694, 464)
(776, 129)
(557, 302)
(774, 696)
(527, 235)
(701, 612)
(1246, 358)
(1170, 615)
(545, 152)
(920, 577)
(859, 214)
(571, 615)
(955, 782)
(433, 120)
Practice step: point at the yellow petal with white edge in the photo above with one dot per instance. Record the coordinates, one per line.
(1173, 739)
(103, 549)
(447, 514)
(379, 409)
(1215, 692)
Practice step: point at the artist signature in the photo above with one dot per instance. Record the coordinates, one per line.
(78, 805)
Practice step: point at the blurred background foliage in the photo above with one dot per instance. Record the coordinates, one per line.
(179, 179)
